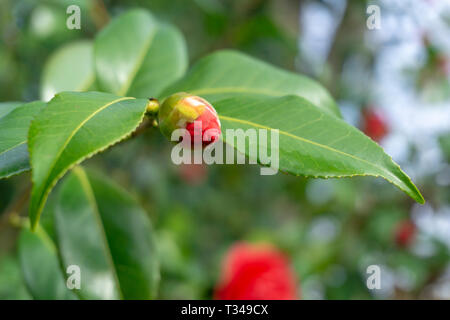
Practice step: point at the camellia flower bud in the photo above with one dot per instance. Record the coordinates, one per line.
(196, 115)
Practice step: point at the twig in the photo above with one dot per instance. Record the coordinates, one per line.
(147, 123)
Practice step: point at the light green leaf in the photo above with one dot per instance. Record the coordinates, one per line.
(311, 142)
(7, 107)
(136, 55)
(13, 137)
(71, 68)
(104, 231)
(12, 284)
(74, 126)
(40, 267)
(230, 73)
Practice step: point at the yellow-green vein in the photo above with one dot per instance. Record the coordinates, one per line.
(222, 117)
(126, 86)
(60, 151)
(86, 185)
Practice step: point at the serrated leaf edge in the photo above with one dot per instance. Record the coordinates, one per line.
(15, 173)
(34, 222)
(418, 196)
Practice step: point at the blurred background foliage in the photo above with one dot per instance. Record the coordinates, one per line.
(394, 83)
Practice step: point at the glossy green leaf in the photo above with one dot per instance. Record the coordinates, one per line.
(311, 142)
(104, 231)
(13, 137)
(73, 127)
(138, 56)
(70, 68)
(229, 73)
(40, 267)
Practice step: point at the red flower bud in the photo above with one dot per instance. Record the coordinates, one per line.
(196, 115)
(405, 232)
(256, 272)
(374, 125)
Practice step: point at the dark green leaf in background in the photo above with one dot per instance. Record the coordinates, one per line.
(104, 231)
(136, 55)
(73, 127)
(13, 136)
(40, 266)
(311, 142)
(230, 73)
(71, 68)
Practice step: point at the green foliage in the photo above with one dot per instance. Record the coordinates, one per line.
(73, 127)
(138, 56)
(40, 266)
(12, 286)
(69, 68)
(103, 230)
(230, 74)
(7, 107)
(14, 125)
(312, 142)
(98, 225)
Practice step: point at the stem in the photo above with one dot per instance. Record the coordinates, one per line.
(147, 123)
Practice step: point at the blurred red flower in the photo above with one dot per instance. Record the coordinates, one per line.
(443, 64)
(193, 174)
(256, 272)
(374, 124)
(405, 233)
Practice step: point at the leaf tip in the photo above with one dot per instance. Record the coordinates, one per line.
(416, 194)
(421, 199)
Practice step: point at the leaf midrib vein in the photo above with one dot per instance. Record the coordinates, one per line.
(86, 185)
(69, 138)
(139, 63)
(308, 141)
(13, 147)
